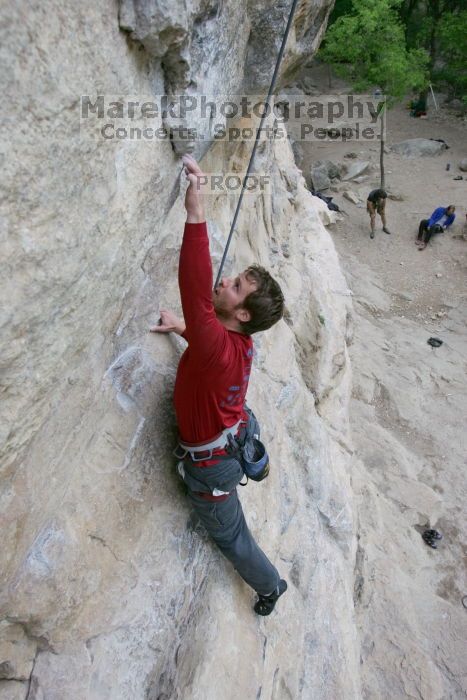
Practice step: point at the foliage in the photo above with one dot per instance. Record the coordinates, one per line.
(421, 19)
(368, 47)
(341, 7)
(452, 34)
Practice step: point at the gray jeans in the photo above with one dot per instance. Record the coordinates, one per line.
(226, 524)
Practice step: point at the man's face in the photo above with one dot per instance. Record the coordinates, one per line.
(229, 295)
(450, 210)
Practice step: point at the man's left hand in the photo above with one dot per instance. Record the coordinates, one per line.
(169, 323)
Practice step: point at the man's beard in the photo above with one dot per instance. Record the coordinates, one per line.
(221, 312)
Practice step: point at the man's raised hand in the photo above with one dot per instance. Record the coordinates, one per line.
(169, 323)
(193, 201)
(191, 166)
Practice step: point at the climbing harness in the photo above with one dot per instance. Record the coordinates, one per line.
(249, 451)
(237, 452)
(204, 451)
(258, 132)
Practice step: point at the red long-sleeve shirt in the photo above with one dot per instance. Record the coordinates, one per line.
(212, 377)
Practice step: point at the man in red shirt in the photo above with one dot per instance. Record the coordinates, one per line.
(210, 389)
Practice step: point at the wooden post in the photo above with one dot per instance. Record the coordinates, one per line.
(381, 151)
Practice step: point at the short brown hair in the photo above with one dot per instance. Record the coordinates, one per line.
(265, 304)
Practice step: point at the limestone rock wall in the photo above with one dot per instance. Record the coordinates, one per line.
(109, 588)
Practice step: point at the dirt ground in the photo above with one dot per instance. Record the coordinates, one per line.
(408, 408)
(436, 276)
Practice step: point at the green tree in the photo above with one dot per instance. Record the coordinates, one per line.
(440, 27)
(453, 53)
(368, 48)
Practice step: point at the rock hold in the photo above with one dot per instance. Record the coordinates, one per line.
(17, 652)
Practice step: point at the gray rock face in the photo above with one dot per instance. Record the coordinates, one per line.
(190, 37)
(212, 48)
(110, 589)
(418, 148)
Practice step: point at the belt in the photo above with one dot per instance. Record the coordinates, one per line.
(200, 452)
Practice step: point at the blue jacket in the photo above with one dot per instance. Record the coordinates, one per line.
(438, 214)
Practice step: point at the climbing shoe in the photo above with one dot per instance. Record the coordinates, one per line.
(266, 603)
(386, 230)
(430, 537)
(372, 234)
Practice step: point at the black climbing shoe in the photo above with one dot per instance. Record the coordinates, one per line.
(372, 234)
(386, 230)
(434, 342)
(434, 534)
(266, 603)
(430, 537)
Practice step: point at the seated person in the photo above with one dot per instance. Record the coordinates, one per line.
(418, 107)
(438, 222)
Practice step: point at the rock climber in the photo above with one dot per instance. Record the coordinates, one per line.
(210, 389)
(438, 222)
(376, 203)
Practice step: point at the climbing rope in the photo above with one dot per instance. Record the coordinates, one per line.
(258, 132)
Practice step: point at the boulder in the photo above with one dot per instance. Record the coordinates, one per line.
(395, 196)
(320, 178)
(331, 168)
(456, 104)
(463, 165)
(352, 196)
(356, 169)
(308, 86)
(419, 148)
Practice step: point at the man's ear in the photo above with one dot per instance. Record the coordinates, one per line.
(243, 315)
